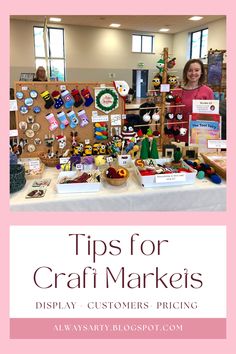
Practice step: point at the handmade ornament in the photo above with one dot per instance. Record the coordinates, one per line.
(169, 98)
(87, 96)
(145, 149)
(83, 119)
(179, 116)
(177, 99)
(177, 154)
(147, 117)
(149, 132)
(157, 81)
(170, 115)
(52, 120)
(61, 141)
(74, 121)
(154, 151)
(121, 87)
(128, 133)
(176, 131)
(77, 97)
(88, 149)
(96, 147)
(139, 163)
(183, 131)
(160, 65)
(156, 117)
(57, 99)
(48, 99)
(168, 131)
(63, 120)
(102, 149)
(78, 149)
(49, 140)
(67, 99)
(106, 99)
(172, 81)
(101, 131)
(171, 63)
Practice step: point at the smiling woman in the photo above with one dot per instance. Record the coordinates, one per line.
(194, 88)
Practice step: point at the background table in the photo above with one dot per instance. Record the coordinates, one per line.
(203, 195)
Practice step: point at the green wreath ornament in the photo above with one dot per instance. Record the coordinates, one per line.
(110, 108)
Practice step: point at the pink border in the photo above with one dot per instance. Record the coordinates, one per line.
(129, 328)
(185, 346)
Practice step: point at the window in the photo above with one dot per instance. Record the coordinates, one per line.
(142, 44)
(55, 51)
(198, 47)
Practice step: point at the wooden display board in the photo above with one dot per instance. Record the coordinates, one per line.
(83, 133)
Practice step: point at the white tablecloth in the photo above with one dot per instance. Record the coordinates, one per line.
(201, 196)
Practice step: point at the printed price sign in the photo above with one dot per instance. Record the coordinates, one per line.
(64, 160)
(170, 178)
(217, 144)
(34, 164)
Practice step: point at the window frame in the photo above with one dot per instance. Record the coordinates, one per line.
(144, 35)
(49, 49)
(191, 42)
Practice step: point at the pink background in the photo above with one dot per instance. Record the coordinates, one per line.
(102, 7)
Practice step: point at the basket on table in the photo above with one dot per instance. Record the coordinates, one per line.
(117, 181)
(50, 162)
(17, 177)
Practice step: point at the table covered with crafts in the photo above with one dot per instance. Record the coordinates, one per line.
(202, 195)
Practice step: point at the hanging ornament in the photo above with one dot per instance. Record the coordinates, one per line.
(121, 87)
(146, 117)
(156, 117)
(106, 100)
(160, 65)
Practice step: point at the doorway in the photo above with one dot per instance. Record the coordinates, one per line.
(140, 83)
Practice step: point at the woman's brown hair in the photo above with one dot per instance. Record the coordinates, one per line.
(187, 66)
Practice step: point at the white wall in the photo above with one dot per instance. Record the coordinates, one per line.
(181, 42)
(93, 53)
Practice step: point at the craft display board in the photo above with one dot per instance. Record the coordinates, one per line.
(107, 107)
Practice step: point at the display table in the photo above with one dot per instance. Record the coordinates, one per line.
(201, 196)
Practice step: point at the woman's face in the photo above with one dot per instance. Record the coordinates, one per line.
(41, 73)
(194, 73)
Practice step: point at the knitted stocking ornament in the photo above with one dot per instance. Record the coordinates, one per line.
(74, 121)
(68, 99)
(52, 120)
(87, 96)
(47, 98)
(62, 118)
(57, 98)
(83, 118)
(77, 97)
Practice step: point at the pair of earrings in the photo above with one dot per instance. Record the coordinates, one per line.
(171, 116)
(147, 117)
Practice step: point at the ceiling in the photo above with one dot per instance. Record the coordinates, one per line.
(134, 23)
